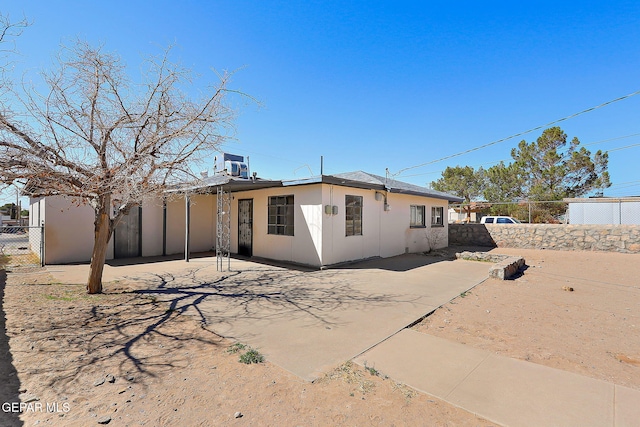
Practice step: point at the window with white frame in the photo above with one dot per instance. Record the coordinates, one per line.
(436, 216)
(353, 215)
(417, 216)
(280, 220)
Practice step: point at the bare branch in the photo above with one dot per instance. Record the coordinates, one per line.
(99, 136)
(10, 30)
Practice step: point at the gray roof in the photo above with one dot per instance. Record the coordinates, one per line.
(396, 186)
(357, 179)
(227, 182)
(360, 179)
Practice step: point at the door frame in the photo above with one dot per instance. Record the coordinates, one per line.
(117, 255)
(249, 251)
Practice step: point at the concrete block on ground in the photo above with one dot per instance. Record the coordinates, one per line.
(505, 266)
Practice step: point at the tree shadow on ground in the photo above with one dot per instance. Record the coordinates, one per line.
(141, 333)
(73, 335)
(260, 294)
(10, 387)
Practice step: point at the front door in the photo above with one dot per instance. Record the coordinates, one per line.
(245, 227)
(126, 236)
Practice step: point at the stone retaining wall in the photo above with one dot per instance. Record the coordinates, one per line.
(614, 238)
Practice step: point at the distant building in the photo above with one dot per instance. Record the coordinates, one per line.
(604, 210)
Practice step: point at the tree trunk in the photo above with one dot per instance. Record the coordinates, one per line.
(102, 234)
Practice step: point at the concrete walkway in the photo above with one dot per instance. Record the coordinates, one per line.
(503, 390)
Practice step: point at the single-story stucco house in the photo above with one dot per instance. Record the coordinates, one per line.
(317, 221)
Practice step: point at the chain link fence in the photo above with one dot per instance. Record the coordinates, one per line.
(538, 212)
(21, 246)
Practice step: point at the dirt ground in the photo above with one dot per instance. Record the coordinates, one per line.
(592, 330)
(64, 348)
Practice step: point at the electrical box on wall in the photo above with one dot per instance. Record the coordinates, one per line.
(330, 210)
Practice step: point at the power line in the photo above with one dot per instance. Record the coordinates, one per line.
(519, 134)
(623, 148)
(506, 160)
(622, 188)
(625, 183)
(611, 139)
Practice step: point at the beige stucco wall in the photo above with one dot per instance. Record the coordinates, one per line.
(384, 233)
(203, 219)
(319, 238)
(175, 225)
(305, 246)
(397, 225)
(68, 230)
(203, 224)
(151, 227)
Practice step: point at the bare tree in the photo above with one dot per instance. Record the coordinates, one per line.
(102, 139)
(9, 30)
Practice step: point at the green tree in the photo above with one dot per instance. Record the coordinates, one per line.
(549, 169)
(552, 169)
(462, 181)
(503, 183)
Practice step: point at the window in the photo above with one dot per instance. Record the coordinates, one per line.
(436, 216)
(353, 215)
(417, 216)
(280, 215)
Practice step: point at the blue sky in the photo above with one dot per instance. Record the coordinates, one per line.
(386, 84)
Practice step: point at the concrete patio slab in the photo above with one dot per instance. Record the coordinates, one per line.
(304, 321)
(337, 314)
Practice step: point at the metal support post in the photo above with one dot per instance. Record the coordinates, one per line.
(223, 230)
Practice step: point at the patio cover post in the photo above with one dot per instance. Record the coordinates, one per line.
(187, 205)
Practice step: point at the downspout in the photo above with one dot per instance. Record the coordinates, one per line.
(187, 206)
(380, 216)
(332, 221)
(140, 230)
(164, 226)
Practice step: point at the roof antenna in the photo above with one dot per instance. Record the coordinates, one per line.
(304, 166)
(321, 165)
